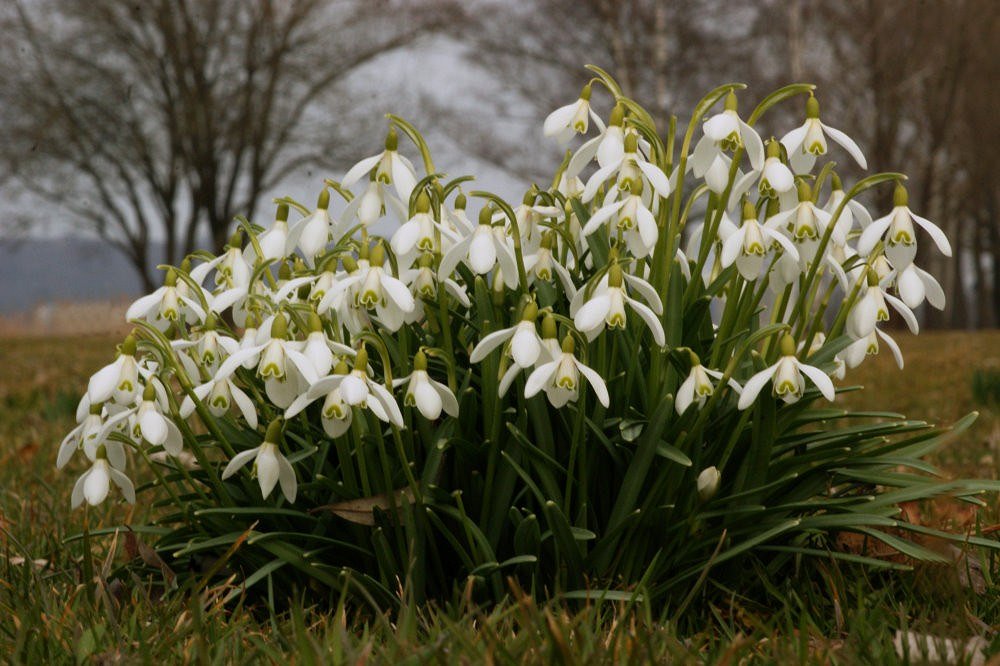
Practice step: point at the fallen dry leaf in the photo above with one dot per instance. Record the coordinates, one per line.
(362, 511)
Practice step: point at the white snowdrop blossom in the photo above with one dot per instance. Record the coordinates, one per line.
(748, 245)
(168, 305)
(808, 140)
(487, 248)
(428, 396)
(898, 234)
(270, 466)
(571, 119)
(698, 386)
(786, 378)
(388, 168)
(776, 179)
(606, 307)
(525, 345)
(561, 378)
(150, 424)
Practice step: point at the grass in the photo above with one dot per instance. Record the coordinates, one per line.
(47, 616)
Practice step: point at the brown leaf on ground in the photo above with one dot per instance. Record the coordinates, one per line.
(362, 511)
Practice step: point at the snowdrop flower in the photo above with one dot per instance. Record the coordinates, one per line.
(91, 432)
(786, 377)
(543, 266)
(356, 389)
(631, 218)
(487, 247)
(95, 484)
(167, 305)
(336, 415)
(852, 212)
(371, 286)
(275, 243)
(209, 348)
(118, 380)
(525, 345)
(606, 307)
(607, 147)
(868, 345)
(748, 245)
(916, 285)
(805, 225)
(699, 386)
(571, 119)
(725, 131)
(388, 168)
(231, 268)
(708, 483)
(150, 424)
(901, 239)
(809, 140)
(631, 167)
(270, 467)
(776, 179)
(219, 396)
(421, 232)
(427, 395)
(871, 308)
(560, 378)
(313, 231)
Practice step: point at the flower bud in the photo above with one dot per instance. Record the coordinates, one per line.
(530, 312)
(708, 483)
(486, 215)
(749, 212)
(129, 346)
(787, 345)
(282, 214)
(585, 93)
(460, 202)
(805, 192)
(273, 434)
(377, 257)
(323, 202)
(631, 143)
(900, 197)
(392, 139)
(419, 361)
(349, 264)
(812, 107)
(731, 102)
(617, 115)
(774, 148)
(279, 327)
(568, 344)
(423, 204)
(361, 359)
(549, 327)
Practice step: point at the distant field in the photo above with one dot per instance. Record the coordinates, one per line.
(44, 614)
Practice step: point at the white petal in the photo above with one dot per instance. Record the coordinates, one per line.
(360, 169)
(601, 216)
(848, 144)
(559, 119)
(934, 231)
(896, 353)
(286, 478)
(820, 379)
(482, 253)
(490, 342)
(685, 395)
(793, 140)
(591, 317)
(428, 400)
(935, 294)
(453, 256)
(524, 346)
(652, 321)
(907, 313)
(538, 379)
(448, 400)
(656, 178)
(754, 385)
(753, 145)
(141, 307)
(383, 396)
(153, 427)
(104, 382)
(596, 382)
(872, 234)
(397, 292)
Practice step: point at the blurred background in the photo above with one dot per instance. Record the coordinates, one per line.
(134, 131)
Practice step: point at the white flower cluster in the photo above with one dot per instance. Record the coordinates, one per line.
(284, 317)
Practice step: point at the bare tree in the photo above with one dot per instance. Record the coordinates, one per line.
(165, 118)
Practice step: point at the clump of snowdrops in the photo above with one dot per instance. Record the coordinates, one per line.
(623, 384)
